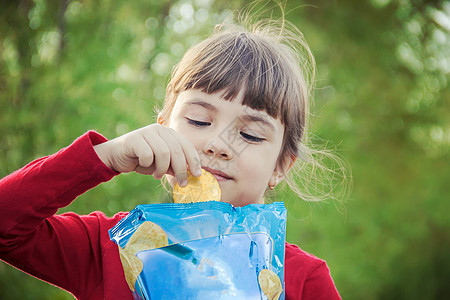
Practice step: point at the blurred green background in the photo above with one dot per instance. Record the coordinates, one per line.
(382, 100)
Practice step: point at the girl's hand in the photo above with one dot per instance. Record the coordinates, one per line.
(154, 149)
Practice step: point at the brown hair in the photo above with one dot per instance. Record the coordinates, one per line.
(258, 61)
(273, 65)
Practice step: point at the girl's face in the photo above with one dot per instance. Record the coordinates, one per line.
(238, 145)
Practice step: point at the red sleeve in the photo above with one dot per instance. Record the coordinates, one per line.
(319, 285)
(307, 277)
(32, 238)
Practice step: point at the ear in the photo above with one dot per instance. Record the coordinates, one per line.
(280, 171)
(275, 179)
(161, 120)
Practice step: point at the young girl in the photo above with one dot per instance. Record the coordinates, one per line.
(236, 106)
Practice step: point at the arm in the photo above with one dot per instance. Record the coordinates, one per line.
(35, 192)
(31, 237)
(66, 250)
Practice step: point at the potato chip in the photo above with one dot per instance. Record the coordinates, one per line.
(132, 266)
(148, 236)
(270, 284)
(199, 189)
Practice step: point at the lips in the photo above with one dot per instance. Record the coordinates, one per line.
(219, 175)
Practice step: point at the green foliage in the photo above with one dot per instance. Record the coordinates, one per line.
(382, 96)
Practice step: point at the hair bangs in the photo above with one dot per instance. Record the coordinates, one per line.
(239, 63)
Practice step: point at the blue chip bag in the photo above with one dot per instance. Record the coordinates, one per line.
(212, 250)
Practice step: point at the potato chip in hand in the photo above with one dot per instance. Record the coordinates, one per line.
(199, 189)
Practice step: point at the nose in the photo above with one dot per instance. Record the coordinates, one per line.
(218, 150)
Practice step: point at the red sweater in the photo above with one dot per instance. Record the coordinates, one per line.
(74, 252)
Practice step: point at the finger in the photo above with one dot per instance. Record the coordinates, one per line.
(190, 153)
(143, 152)
(177, 157)
(145, 171)
(161, 154)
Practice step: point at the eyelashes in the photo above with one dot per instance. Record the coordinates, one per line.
(251, 138)
(198, 123)
(248, 137)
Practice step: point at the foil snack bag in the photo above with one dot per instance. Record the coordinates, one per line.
(204, 250)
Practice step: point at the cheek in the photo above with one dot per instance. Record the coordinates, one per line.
(258, 164)
(181, 127)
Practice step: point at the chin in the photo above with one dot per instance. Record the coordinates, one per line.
(238, 203)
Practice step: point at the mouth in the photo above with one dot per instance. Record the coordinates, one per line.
(219, 175)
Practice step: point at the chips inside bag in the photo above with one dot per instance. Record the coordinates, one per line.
(204, 250)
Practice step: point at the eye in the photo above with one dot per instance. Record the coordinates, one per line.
(251, 138)
(197, 123)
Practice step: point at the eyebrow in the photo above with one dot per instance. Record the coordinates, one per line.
(259, 119)
(204, 104)
(248, 118)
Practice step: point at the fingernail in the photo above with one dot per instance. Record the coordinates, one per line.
(198, 172)
(183, 182)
